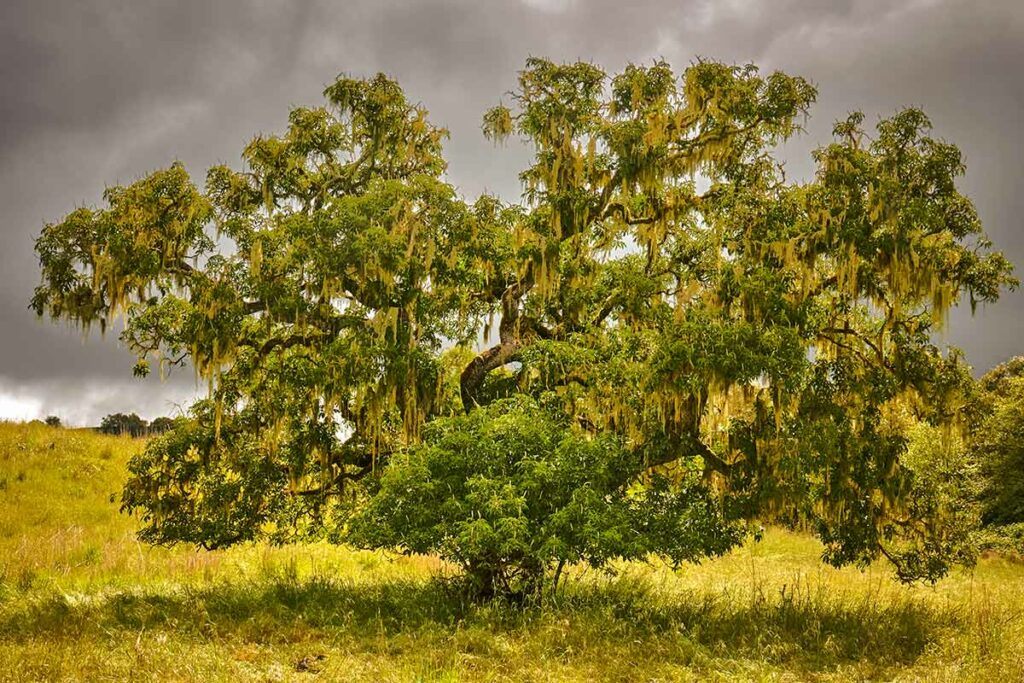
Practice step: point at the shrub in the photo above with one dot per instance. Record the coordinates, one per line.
(946, 483)
(998, 443)
(511, 491)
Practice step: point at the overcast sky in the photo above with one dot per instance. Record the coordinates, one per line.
(97, 92)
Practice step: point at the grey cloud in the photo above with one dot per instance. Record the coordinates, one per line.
(82, 401)
(102, 92)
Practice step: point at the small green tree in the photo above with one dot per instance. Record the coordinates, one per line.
(513, 489)
(53, 421)
(998, 444)
(669, 363)
(946, 486)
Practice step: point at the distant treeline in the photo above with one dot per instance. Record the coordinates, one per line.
(120, 424)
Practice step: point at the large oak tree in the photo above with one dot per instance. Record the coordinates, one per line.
(669, 324)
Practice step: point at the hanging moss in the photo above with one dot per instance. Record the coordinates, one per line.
(763, 341)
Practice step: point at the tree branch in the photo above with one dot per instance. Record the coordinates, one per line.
(329, 487)
(472, 377)
(849, 331)
(675, 446)
(617, 207)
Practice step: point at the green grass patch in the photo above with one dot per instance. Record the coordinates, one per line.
(80, 599)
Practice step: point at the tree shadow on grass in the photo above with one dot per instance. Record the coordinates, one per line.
(808, 631)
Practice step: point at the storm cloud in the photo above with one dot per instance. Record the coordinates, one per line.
(101, 92)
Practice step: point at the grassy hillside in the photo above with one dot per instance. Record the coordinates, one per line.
(80, 599)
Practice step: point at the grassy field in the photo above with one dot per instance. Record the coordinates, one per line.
(80, 599)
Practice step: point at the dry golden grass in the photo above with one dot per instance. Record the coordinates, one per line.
(80, 599)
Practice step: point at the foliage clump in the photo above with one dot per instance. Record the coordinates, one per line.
(710, 358)
(511, 490)
(997, 444)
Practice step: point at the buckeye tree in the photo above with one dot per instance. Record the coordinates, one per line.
(665, 343)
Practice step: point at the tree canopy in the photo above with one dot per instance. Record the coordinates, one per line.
(677, 339)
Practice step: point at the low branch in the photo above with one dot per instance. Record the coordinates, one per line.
(214, 545)
(332, 487)
(670, 448)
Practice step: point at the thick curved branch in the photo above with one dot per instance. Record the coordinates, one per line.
(476, 372)
(334, 486)
(510, 334)
(670, 448)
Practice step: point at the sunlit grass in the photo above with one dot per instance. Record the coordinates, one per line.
(80, 599)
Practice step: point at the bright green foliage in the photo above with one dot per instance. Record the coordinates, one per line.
(998, 443)
(945, 497)
(755, 348)
(511, 489)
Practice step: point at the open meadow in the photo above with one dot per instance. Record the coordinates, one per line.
(521, 340)
(81, 599)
